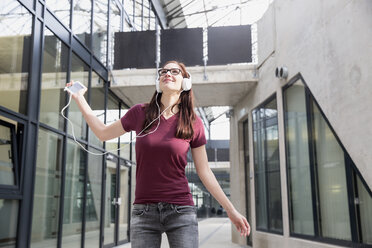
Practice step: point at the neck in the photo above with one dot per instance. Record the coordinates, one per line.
(169, 99)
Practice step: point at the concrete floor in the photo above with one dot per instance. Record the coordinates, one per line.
(213, 232)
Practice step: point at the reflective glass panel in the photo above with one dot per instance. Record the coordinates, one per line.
(82, 10)
(267, 168)
(112, 116)
(15, 41)
(53, 80)
(61, 8)
(8, 215)
(365, 209)
(93, 203)
(100, 30)
(333, 200)
(47, 190)
(124, 196)
(74, 195)
(8, 148)
(110, 201)
(79, 72)
(296, 131)
(97, 104)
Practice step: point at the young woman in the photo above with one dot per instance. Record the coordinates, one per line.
(163, 202)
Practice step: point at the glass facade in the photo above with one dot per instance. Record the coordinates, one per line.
(47, 193)
(53, 80)
(43, 45)
(298, 161)
(15, 47)
(267, 167)
(327, 198)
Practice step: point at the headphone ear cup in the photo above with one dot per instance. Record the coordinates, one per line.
(186, 83)
(157, 85)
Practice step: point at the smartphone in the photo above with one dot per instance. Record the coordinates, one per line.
(75, 87)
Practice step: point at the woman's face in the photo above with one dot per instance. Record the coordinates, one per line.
(169, 82)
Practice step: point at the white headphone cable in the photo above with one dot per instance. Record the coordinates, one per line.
(137, 136)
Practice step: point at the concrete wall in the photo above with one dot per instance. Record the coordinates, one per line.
(329, 43)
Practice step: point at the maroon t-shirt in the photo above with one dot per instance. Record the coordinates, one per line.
(162, 158)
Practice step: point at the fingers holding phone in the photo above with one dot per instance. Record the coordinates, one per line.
(76, 89)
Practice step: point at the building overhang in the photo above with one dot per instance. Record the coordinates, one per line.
(212, 86)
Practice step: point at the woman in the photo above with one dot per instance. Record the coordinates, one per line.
(163, 202)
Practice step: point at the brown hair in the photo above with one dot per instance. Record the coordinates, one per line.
(185, 106)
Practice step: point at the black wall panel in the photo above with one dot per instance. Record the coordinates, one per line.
(184, 45)
(135, 50)
(231, 44)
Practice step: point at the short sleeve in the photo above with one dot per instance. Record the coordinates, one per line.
(130, 119)
(199, 136)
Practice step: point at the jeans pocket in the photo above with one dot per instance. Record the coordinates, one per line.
(185, 209)
(138, 212)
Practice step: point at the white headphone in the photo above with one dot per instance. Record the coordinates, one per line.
(186, 83)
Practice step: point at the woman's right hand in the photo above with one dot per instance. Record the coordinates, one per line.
(77, 94)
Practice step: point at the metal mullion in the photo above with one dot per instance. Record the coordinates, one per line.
(118, 181)
(84, 200)
(265, 165)
(108, 50)
(31, 129)
(313, 163)
(287, 154)
(104, 176)
(63, 169)
(354, 228)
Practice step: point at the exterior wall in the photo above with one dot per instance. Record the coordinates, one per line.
(328, 42)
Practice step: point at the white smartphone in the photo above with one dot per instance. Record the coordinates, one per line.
(75, 87)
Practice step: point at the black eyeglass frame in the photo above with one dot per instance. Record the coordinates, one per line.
(162, 72)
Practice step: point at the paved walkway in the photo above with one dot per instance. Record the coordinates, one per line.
(213, 232)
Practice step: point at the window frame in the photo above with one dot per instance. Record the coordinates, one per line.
(350, 167)
(261, 105)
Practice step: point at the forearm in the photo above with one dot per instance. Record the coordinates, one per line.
(95, 124)
(210, 182)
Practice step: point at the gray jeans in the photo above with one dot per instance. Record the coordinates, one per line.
(149, 221)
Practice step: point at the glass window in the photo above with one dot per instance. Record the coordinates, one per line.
(74, 195)
(100, 30)
(115, 26)
(365, 210)
(267, 168)
(298, 162)
(47, 190)
(79, 72)
(93, 203)
(81, 20)
(8, 215)
(333, 199)
(124, 196)
(112, 116)
(53, 81)
(109, 202)
(15, 41)
(61, 8)
(8, 153)
(97, 104)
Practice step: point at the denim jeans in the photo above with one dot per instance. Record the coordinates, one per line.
(149, 221)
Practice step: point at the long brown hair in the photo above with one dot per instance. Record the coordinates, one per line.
(185, 105)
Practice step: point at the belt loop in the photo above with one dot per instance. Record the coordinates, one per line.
(172, 206)
(147, 207)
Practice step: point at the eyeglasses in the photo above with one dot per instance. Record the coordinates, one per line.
(173, 71)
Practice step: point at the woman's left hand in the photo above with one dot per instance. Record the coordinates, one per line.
(240, 222)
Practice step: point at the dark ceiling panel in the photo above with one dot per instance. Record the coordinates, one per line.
(184, 45)
(135, 50)
(231, 44)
